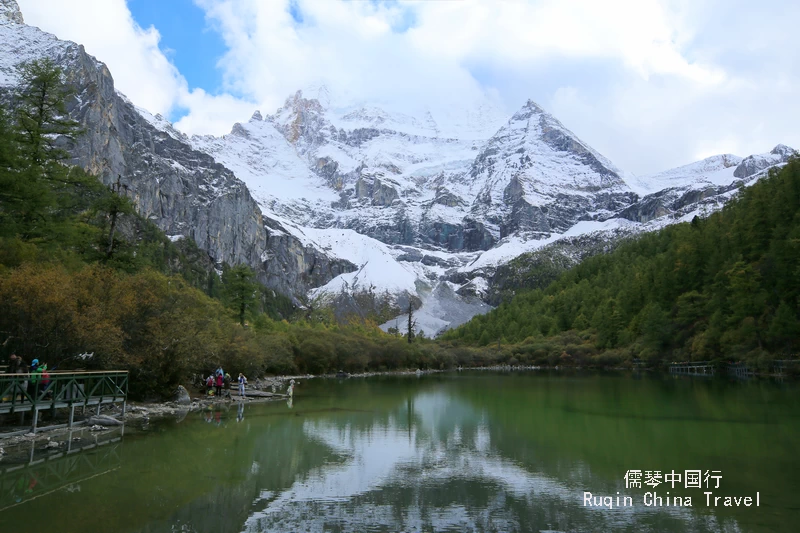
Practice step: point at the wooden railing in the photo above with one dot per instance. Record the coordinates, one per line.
(693, 368)
(20, 393)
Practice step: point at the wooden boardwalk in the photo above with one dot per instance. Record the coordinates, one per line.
(693, 368)
(66, 390)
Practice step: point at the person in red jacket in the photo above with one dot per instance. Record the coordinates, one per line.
(220, 381)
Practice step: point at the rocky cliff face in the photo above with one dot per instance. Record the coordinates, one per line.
(185, 192)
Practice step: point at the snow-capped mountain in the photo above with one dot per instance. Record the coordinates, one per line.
(536, 175)
(383, 175)
(370, 206)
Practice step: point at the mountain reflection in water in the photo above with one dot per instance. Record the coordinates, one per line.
(470, 452)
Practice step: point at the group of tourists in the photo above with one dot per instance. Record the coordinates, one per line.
(219, 380)
(37, 375)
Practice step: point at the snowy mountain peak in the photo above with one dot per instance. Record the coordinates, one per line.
(299, 103)
(783, 151)
(532, 107)
(256, 116)
(535, 176)
(300, 119)
(754, 164)
(541, 127)
(9, 11)
(532, 111)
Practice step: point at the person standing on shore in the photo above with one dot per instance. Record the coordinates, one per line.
(227, 381)
(219, 381)
(242, 382)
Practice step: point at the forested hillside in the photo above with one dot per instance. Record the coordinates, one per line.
(725, 287)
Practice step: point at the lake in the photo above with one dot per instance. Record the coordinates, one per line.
(469, 451)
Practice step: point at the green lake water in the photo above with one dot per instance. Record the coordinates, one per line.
(473, 451)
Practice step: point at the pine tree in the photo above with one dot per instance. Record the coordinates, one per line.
(411, 323)
(240, 289)
(42, 115)
(41, 125)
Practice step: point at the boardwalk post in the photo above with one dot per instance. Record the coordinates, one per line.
(13, 396)
(35, 418)
(71, 415)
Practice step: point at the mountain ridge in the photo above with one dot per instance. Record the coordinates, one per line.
(329, 203)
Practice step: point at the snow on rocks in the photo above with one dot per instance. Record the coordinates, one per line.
(19, 42)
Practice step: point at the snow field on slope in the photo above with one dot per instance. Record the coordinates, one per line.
(709, 171)
(516, 245)
(378, 270)
(266, 163)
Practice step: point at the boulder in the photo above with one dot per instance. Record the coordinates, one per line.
(103, 420)
(182, 396)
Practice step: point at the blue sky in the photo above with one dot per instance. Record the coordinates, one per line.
(186, 38)
(651, 84)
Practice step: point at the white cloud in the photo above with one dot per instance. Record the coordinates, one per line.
(650, 83)
(636, 32)
(108, 32)
(212, 114)
(140, 68)
(351, 46)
